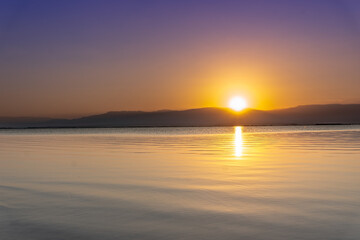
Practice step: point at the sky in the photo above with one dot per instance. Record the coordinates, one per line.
(79, 57)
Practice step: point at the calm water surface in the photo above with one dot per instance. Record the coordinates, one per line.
(181, 183)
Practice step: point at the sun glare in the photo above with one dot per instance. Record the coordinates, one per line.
(237, 103)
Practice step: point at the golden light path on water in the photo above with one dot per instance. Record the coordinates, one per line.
(238, 141)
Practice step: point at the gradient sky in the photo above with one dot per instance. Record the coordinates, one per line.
(70, 57)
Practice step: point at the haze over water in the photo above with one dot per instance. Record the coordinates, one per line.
(181, 183)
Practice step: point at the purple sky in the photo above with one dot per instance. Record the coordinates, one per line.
(70, 58)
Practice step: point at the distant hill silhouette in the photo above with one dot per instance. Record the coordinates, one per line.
(21, 121)
(307, 114)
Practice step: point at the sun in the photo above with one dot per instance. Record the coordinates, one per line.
(237, 103)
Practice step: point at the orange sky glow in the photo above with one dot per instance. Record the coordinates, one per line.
(88, 58)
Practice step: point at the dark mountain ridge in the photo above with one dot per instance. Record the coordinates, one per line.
(306, 114)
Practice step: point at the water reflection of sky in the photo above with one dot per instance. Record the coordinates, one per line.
(296, 182)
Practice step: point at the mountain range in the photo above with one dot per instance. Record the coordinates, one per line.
(300, 115)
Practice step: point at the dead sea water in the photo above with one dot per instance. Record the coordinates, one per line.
(224, 183)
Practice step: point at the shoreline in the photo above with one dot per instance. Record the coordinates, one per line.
(179, 126)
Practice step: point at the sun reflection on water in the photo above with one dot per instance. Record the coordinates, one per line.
(238, 141)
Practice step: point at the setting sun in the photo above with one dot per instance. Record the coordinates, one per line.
(237, 103)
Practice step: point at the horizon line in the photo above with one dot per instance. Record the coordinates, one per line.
(76, 116)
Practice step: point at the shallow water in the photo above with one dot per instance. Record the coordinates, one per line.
(181, 183)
